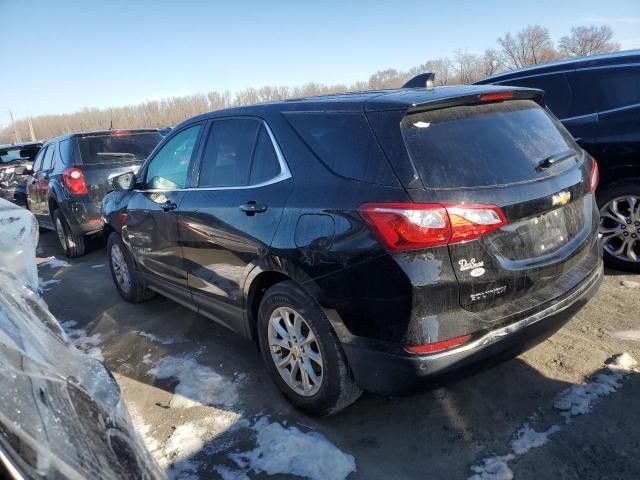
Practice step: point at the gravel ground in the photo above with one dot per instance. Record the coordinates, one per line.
(204, 404)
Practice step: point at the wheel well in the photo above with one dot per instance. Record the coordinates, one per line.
(53, 206)
(259, 286)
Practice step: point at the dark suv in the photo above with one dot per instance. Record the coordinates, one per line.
(71, 175)
(367, 240)
(598, 100)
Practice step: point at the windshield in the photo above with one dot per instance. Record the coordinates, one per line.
(483, 145)
(117, 148)
(18, 154)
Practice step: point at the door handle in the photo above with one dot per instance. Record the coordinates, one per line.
(251, 208)
(168, 206)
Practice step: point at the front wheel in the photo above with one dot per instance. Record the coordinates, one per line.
(619, 228)
(302, 353)
(72, 244)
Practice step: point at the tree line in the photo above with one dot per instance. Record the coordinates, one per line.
(530, 46)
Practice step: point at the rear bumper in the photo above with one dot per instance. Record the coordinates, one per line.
(387, 373)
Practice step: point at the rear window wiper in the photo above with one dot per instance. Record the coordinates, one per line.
(555, 158)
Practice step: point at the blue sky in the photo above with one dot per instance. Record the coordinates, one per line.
(102, 53)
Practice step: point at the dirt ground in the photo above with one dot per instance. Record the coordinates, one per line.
(440, 434)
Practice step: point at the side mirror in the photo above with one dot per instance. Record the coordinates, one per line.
(124, 181)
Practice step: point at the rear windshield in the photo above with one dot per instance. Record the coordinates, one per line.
(484, 145)
(18, 154)
(117, 148)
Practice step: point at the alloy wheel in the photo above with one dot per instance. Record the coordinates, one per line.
(619, 229)
(295, 351)
(120, 268)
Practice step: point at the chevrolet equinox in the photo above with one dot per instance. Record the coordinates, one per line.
(366, 241)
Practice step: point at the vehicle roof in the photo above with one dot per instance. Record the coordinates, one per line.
(591, 61)
(100, 132)
(8, 146)
(374, 100)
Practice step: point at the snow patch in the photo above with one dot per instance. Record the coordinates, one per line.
(82, 341)
(630, 284)
(197, 384)
(632, 335)
(45, 283)
(53, 262)
(283, 450)
(157, 339)
(497, 468)
(578, 399)
(100, 265)
(146, 358)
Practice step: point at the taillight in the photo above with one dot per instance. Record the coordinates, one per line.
(496, 97)
(437, 346)
(410, 226)
(595, 175)
(74, 181)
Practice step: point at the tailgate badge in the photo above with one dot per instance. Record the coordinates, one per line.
(561, 198)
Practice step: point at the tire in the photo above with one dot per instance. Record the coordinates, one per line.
(617, 198)
(336, 388)
(133, 291)
(73, 244)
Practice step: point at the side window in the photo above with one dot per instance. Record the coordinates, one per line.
(557, 92)
(227, 156)
(65, 152)
(265, 164)
(47, 162)
(169, 168)
(37, 163)
(616, 87)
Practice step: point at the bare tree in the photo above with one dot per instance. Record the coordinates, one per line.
(529, 46)
(489, 62)
(588, 40)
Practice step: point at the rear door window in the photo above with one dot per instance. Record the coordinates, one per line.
(47, 162)
(484, 145)
(227, 156)
(345, 143)
(265, 165)
(37, 164)
(613, 87)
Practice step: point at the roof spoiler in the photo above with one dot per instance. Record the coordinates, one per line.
(422, 80)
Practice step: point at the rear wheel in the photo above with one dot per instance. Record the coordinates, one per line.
(619, 229)
(302, 353)
(73, 244)
(124, 273)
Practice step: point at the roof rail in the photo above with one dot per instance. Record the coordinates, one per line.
(422, 80)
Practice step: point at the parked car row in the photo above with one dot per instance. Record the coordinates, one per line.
(14, 159)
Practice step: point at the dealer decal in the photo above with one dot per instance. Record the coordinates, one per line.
(476, 268)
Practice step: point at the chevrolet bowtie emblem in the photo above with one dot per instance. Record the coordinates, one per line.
(561, 198)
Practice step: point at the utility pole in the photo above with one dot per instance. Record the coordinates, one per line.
(15, 130)
(33, 135)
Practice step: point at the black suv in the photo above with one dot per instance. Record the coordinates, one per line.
(598, 100)
(366, 240)
(71, 175)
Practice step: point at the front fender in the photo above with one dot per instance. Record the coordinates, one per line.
(114, 204)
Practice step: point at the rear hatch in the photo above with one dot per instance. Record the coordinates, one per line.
(507, 165)
(106, 155)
